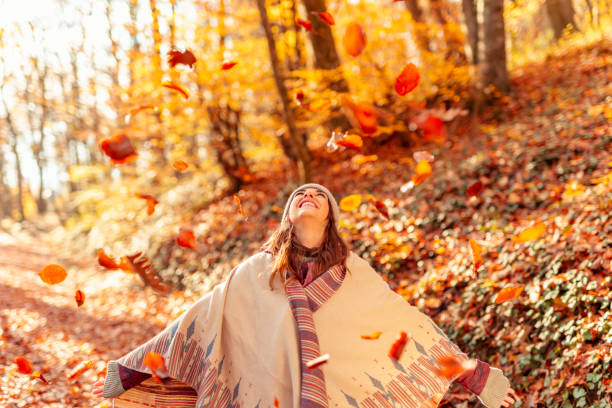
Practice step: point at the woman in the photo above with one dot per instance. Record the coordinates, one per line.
(249, 342)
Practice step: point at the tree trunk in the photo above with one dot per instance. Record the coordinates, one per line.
(419, 31)
(561, 15)
(455, 48)
(496, 71)
(470, 14)
(5, 192)
(303, 153)
(160, 146)
(15, 136)
(41, 204)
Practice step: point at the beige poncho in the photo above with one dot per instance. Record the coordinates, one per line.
(245, 345)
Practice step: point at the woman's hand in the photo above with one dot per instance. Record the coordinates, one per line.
(98, 388)
(510, 399)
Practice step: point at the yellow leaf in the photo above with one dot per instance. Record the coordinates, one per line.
(349, 203)
(530, 234)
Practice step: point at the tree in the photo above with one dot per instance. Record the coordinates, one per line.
(495, 70)
(561, 15)
(416, 13)
(454, 44)
(470, 14)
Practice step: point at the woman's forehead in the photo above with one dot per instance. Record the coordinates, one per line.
(307, 188)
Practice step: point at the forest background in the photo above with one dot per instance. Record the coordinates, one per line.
(468, 143)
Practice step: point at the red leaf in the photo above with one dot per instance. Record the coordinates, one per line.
(328, 18)
(79, 296)
(176, 87)
(364, 113)
(119, 148)
(151, 202)
(433, 129)
(80, 369)
(240, 209)
(181, 57)
(155, 363)
(449, 367)
(398, 346)
(475, 189)
(381, 207)
(106, 261)
(407, 80)
(53, 274)
(180, 165)
(276, 403)
(186, 239)
(299, 95)
(228, 65)
(354, 39)
(315, 362)
(23, 365)
(141, 265)
(304, 23)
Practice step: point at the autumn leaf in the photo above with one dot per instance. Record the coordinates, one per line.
(138, 109)
(140, 265)
(373, 336)
(106, 261)
(475, 189)
(351, 141)
(276, 403)
(363, 113)
(176, 87)
(119, 148)
(180, 165)
(52, 274)
(155, 363)
(354, 39)
(176, 57)
(351, 202)
(407, 80)
(508, 293)
(380, 206)
(151, 202)
(125, 265)
(359, 159)
(530, 234)
(318, 105)
(79, 296)
(79, 370)
(315, 362)
(228, 65)
(304, 23)
(23, 365)
(38, 374)
(240, 209)
(299, 95)
(398, 346)
(186, 239)
(476, 253)
(433, 129)
(328, 18)
(423, 155)
(422, 170)
(449, 367)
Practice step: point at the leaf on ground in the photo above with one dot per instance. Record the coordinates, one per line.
(530, 234)
(508, 293)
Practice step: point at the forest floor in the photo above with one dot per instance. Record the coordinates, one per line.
(543, 155)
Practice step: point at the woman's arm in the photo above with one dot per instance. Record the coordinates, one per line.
(118, 380)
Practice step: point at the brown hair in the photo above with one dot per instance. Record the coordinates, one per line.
(333, 250)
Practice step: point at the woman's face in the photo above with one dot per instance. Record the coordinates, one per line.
(309, 204)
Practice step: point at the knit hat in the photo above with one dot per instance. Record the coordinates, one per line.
(333, 205)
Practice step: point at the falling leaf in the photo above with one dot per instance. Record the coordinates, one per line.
(155, 363)
(423, 155)
(176, 87)
(53, 274)
(380, 206)
(476, 253)
(407, 80)
(318, 105)
(508, 293)
(351, 202)
(351, 141)
(354, 39)
(23, 365)
(137, 109)
(449, 367)
(530, 234)
(276, 403)
(398, 346)
(79, 370)
(304, 23)
(315, 362)
(363, 113)
(433, 129)
(125, 265)
(240, 209)
(119, 148)
(79, 297)
(328, 18)
(186, 239)
(38, 374)
(373, 336)
(181, 57)
(422, 170)
(299, 95)
(106, 261)
(228, 65)
(180, 165)
(151, 202)
(475, 189)
(141, 265)
(359, 159)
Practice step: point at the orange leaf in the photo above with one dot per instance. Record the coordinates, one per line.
(240, 209)
(476, 252)
(364, 113)
(304, 23)
(407, 80)
(351, 202)
(106, 261)
(351, 141)
(23, 365)
(180, 165)
(373, 336)
(423, 155)
(398, 346)
(181, 57)
(433, 128)
(137, 109)
(155, 363)
(449, 367)
(38, 374)
(328, 18)
(186, 239)
(80, 369)
(380, 206)
(422, 170)
(530, 234)
(119, 148)
(354, 39)
(151, 202)
(318, 105)
(315, 362)
(508, 293)
(276, 403)
(228, 65)
(475, 189)
(79, 296)
(176, 87)
(52, 274)
(139, 264)
(125, 265)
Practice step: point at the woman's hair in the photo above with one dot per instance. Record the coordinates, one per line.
(333, 250)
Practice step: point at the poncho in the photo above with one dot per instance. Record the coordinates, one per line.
(247, 345)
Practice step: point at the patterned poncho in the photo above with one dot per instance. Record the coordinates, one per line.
(247, 345)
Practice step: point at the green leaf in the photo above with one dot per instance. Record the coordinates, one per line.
(581, 402)
(578, 392)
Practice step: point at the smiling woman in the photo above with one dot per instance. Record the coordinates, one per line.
(289, 328)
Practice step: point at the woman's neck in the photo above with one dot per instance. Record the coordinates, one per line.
(309, 237)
